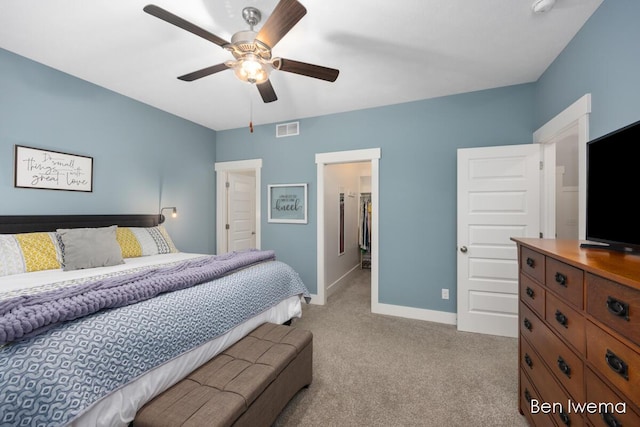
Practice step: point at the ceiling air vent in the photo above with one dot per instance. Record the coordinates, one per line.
(287, 129)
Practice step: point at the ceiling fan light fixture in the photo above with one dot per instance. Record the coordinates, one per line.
(251, 50)
(251, 69)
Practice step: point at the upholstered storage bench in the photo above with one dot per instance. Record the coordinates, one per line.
(247, 385)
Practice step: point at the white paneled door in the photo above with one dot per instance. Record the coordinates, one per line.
(242, 212)
(498, 198)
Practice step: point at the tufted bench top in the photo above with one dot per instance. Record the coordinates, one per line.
(221, 390)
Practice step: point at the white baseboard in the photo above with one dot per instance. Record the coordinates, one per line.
(415, 313)
(335, 286)
(444, 317)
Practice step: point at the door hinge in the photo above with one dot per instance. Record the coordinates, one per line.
(226, 226)
(226, 184)
(541, 165)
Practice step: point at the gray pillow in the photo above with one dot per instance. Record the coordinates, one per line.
(89, 247)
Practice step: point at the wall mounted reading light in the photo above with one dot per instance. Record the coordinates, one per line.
(174, 213)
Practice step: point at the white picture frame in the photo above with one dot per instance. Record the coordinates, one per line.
(287, 203)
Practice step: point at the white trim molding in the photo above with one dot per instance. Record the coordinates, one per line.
(341, 282)
(418, 314)
(322, 159)
(563, 120)
(222, 169)
(577, 114)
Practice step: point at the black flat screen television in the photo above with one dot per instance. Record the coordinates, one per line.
(613, 190)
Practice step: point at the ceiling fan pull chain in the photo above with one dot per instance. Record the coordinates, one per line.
(250, 115)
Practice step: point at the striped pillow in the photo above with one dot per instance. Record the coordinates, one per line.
(143, 241)
(26, 252)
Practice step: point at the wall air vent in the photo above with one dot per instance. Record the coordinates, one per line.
(287, 129)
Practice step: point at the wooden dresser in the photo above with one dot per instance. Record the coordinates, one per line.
(579, 315)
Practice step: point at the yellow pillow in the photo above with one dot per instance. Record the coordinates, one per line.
(128, 243)
(39, 251)
(26, 252)
(143, 241)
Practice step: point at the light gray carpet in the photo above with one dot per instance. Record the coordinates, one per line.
(374, 370)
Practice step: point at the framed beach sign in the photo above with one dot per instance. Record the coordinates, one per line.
(52, 170)
(287, 203)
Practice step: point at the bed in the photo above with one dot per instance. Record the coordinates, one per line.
(137, 325)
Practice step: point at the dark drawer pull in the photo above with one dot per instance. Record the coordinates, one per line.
(561, 279)
(610, 420)
(564, 418)
(531, 262)
(530, 292)
(527, 360)
(617, 307)
(617, 365)
(564, 368)
(527, 395)
(527, 324)
(561, 318)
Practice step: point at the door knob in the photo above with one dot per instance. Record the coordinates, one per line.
(463, 249)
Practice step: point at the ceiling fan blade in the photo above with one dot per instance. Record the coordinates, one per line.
(204, 72)
(169, 17)
(309, 70)
(266, 92)
(283, 18)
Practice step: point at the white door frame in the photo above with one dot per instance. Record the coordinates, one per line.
(222, 169)
(323, 159)
(576, 114)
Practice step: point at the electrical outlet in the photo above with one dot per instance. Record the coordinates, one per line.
(445, 294)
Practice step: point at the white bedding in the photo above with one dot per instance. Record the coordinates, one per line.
(120, 407)
(17, 282)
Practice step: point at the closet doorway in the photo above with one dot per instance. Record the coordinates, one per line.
(347, 224)
(332, 193)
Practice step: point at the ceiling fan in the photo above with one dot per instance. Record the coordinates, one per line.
(252, 51)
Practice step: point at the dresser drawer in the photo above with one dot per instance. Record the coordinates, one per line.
(530, 361)
(566, 321)
(615, 361)
(549, 392)
(529, 394)
(563, 362)
(612, 409)
(565, 280)
(532, 263)
(615, 305)
(532, 294)
(531, 327)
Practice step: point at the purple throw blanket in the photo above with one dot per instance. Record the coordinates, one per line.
(28, 315)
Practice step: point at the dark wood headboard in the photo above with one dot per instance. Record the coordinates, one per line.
(11, 224)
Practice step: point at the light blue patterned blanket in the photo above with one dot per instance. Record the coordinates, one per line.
(27, 315)
(52, 378)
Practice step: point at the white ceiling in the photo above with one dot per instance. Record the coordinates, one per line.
(388, 52)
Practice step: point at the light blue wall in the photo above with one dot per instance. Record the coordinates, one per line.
(143, 157)
(140, 151)
(604, 60)
(418, 143)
